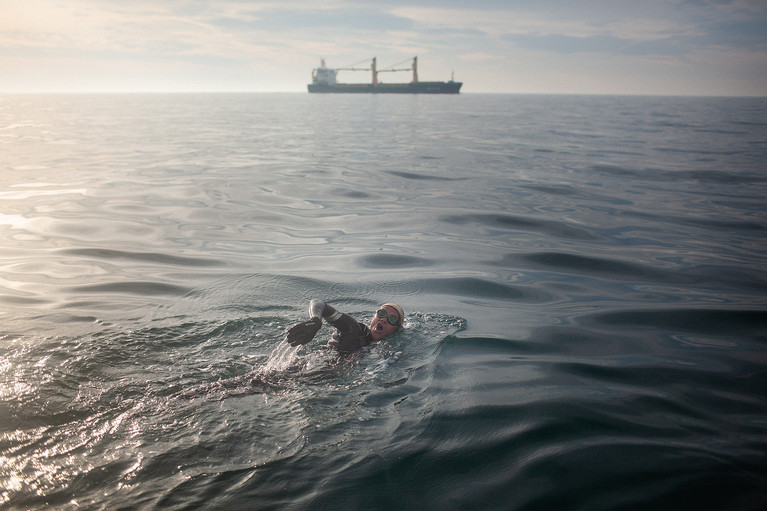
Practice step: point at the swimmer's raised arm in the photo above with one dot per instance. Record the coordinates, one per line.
(319, 309)
(305, 331)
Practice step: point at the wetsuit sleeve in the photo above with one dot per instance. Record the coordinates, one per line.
(351, 334)
(342, 322)
(319, 309)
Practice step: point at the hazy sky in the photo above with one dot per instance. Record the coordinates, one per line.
(709, 47)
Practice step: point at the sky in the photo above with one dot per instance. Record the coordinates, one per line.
(658, 47)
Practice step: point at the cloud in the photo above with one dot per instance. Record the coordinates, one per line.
(748, 34)
(331, 19)
(479, 57)
(600, 44)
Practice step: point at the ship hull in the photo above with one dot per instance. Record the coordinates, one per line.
(388, 88)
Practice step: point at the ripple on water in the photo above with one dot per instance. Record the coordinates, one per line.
(151, 257)
(555, 228)
(393, 261)
(424, 177)
(714, 321)
(134, 288)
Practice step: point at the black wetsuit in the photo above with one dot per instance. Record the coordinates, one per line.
(351, 335)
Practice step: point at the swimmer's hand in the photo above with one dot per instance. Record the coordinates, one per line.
(303, 332)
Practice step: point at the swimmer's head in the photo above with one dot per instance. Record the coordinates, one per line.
(386, 321)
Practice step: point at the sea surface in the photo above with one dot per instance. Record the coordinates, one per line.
(584, 280)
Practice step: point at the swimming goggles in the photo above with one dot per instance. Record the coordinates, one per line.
(393, 320)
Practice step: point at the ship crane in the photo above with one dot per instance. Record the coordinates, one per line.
(374, 70)
(413, 68)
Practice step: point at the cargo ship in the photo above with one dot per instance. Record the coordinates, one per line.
(324, 80)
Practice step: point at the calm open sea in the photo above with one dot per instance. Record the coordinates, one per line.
(584, 278)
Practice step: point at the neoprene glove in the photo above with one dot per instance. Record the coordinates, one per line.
(303, 332)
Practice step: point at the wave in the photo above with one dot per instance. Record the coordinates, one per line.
(145, 406)
(500, 424)
(710, 321)
(151, 257)
(558, 229)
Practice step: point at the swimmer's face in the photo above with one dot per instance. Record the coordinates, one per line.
(380, 327)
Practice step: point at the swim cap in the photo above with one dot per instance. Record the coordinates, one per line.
(399, 311)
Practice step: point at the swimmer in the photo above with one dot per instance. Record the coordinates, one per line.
(351, 335)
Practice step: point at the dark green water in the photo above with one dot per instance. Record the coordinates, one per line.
(584, 280)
